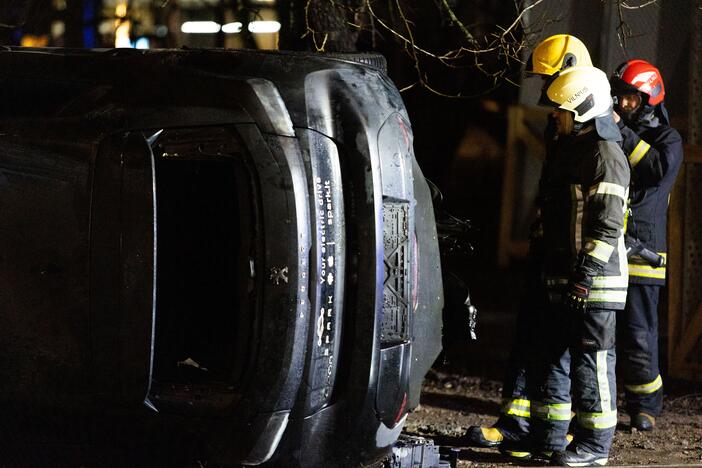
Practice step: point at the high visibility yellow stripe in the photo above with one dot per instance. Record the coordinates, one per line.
(621, 281)
(598, 249)
(522, 413)
(517, 402)
(647, 271)
(640, 272)
(603, 384)
(608, 188)
(517, 407)
(603, 420)
(644, 389)
(618, 281)
(576, 221)
(514, 454)
(553, 411)
(604, 295)
(639, 152)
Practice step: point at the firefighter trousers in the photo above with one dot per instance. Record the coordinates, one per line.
(637, 346)
(515, 416)
(514, 420)
(577, 349)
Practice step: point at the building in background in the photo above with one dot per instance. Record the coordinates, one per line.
(146, 24)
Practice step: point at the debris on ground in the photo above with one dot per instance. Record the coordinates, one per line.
(451, 403)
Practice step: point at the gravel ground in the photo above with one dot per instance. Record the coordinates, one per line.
(450, 403)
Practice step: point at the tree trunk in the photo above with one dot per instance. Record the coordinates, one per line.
(325, 24)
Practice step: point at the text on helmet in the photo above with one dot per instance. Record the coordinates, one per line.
(577, 95)
(644, 81)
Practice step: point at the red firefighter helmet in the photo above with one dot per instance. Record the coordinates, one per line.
(639, 76)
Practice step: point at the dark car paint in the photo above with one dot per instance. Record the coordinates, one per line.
(80, 244)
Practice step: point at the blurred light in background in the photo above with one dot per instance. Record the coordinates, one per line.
(122, 35)
(122, 25)
(142, 43)
(121, 10)
(161, 30)
(148, 23)
(58, 29)
(30, 40)
(209, 27)
(232, 28)
(258, 27)
(200, 27)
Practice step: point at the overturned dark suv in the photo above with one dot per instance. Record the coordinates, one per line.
(233, 250)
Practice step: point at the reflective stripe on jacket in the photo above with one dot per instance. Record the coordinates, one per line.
(655, 153)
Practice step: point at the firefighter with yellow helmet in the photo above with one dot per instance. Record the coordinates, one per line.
(556, 53)
(582, 198)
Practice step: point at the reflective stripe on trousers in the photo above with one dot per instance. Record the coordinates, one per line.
(637, 345)
(646, 388)
(594, 388)
(602, 420)
(517, 407)
(552, 411)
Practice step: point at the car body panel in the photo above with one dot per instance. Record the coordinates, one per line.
(345, 279)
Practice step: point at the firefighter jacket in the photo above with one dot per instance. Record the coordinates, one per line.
(582, 200)
(655, 153)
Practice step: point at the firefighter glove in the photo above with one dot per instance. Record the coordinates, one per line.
(576, 297)
(586, 268)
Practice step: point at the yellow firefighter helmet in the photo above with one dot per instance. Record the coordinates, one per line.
(557, 53)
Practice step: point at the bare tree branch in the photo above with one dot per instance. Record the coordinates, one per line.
(624, 31)
(494, 50)
(460, 24)
(395, 33)
(624, 4)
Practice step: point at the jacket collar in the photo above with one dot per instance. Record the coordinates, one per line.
(606, 128)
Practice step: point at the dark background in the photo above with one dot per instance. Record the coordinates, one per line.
(458, 108)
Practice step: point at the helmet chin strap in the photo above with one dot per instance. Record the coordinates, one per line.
(577, 127)
(647, 115)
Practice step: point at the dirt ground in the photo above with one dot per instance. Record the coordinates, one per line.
(451, 403)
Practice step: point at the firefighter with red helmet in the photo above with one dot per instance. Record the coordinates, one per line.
(655, 153)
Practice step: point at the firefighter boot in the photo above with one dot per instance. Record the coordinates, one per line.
(521, 450)
(479, 436)
(643, 422)
(577, 457)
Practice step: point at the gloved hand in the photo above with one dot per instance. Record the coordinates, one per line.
(586, 268)
(578, 293)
